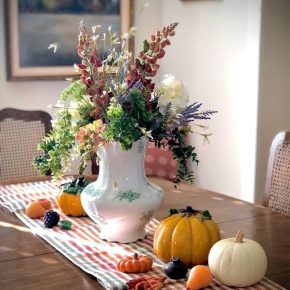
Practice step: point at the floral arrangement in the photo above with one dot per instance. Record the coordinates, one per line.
(115, 99)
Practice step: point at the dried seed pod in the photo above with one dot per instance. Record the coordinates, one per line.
(163, 43)
(152, 45)
(161, 53)
(156, 49)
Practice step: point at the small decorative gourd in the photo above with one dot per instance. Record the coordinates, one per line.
(238, 262)
(188, 234)
(199, 277)
(135, 264)
(45, 203)
(69, 197)
(34, 210)
(175, 269)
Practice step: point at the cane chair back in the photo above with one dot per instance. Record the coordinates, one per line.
(277, 191)
(159, 162)
(20, 132)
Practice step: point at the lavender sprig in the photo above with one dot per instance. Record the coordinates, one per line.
(192, 113)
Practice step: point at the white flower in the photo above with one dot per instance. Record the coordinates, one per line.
(95, 37)
(59, 104)
(126, 36)
(53, 123)
(55, 46)
(172, 91)
(73, 106)
(133, 30)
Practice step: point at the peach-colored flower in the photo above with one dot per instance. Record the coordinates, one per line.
(81, 135)
(91, 133)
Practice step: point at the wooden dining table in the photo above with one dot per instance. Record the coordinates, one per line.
(28, 262)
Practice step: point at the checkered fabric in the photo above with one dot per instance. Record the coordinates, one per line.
(18, 141)
(83, 247)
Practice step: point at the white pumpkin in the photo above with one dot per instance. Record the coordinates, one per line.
(237, 262)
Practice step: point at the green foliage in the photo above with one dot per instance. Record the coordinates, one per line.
(121, 127)
(182, 153)
(76, 186)
(138, 110)
(124, 123)
(76, 90)
(56, 147)
(145, 46)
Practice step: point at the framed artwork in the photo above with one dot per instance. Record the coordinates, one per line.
(33, 25)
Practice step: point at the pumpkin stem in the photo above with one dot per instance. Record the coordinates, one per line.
(135, 256)
(205, 215)
(189, 211)
(239, 237)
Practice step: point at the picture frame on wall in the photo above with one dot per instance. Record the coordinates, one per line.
(32, 26)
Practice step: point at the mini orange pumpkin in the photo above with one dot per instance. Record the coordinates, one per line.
(135, 264)
(69, 197)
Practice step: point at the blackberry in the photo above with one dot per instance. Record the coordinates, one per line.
(51, 218)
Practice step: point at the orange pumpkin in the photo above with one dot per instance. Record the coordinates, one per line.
(187, 234)
(69, 197)
(135, 264)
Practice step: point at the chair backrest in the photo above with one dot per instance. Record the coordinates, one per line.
(20, 132)
(159, 162)
(277, 190)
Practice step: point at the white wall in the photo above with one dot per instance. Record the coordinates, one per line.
(216, 53)
(274, 95)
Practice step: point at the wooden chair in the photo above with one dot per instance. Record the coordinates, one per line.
(159, 162)
(277, 191)
(20, 132)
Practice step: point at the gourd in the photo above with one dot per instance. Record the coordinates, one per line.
(175, 269)
(69, 197)
(199, 276)
(37, 208)
(45, 203)
(237, 261)
(34, 210)
(187, 234)
(135, 264)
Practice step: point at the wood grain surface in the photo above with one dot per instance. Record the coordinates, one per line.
(28, 262)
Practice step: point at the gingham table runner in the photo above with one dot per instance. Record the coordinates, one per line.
(83, 247)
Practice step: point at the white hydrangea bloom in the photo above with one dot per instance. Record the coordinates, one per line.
(172, 91)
